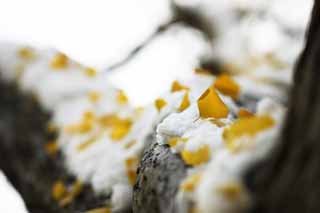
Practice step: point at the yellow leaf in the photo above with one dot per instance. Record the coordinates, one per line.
(230, 190)
(191, 183)
(51, 148)
(227, 86)
(176, 86)
(131, 166)
(84, 145)
(74, 191)
(26, 53)
(247, 126)
(211, 106)
(175, 140)
(59, 61)
(90, 72)
(84, 126)
(81, 128)
(100, 210)
(119, 132)
(160, 103)
(202, 71)
(58, 190)
(119, 127)
(131, 162)
(243, 113)
(185, 102)
(122, 98)
(202, 155)
(132, 176)
(94, 96)
(217, 122)
(112, 120)
(88, 116)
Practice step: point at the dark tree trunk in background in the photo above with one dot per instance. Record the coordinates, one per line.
(23, 159)
(289, 180)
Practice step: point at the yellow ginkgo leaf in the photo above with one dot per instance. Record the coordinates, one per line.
(119, 132)
(51, 148)
(194, 158)
(247, 126)
(90, 72)
(176, 86)
(243, 113)
(26, 53)
(201, 71)
(175, 140)
(131, 162)
(122, 98)
(227, 86)
(59, 61)
(94, 96)
(185, 103)
(191, 183)
(100, 210)
(211, 106)
(58, 190)
(230, 191)
(160, 103)
(86, 144)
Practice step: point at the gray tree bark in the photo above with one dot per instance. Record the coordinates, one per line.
(159, 176)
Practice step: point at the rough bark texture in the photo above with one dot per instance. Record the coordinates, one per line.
(159, 176)
(288, 181)
(23, 158)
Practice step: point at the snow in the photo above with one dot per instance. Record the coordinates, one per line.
(171, 55)
(9, 198)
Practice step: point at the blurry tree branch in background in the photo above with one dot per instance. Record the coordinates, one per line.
(289, 180)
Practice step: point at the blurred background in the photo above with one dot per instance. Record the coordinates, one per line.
(108, 34)
(148, 44)
(94, 32)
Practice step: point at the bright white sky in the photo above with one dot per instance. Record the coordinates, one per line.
(98, 33)
(95, 32)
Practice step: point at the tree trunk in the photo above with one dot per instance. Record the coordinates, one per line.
(289, 180)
